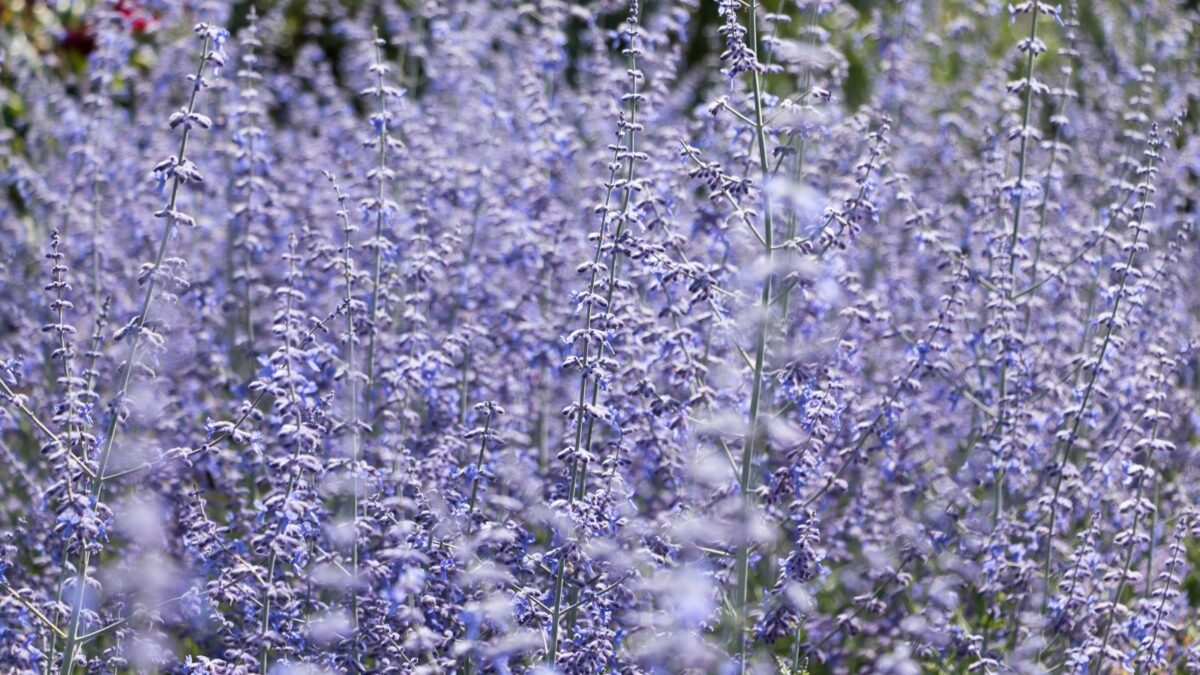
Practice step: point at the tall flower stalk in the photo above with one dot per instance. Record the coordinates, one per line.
(250, 186)
(1017, 190)
(490, 409)
(745, 59)
(351, 306)
(1132, 538)
(178, 170)
(296, 427)
(382, 206)
(585, 410)
(824, 372)
(1095, 364)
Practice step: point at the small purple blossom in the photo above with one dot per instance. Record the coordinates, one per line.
(712, 336)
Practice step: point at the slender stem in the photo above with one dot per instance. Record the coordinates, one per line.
(577, 479)
(373, 316)
(1010, 280)
(487, 428)
(1162, 599)
(464, 377)
(254, 117)
(785, 295)
(12, 593)
(95, 218)
(1042, 210)
(1091, 385)
(247, 263)
(11, 396)
(380, 196)
(1128, 566)
(353, 394)
(1153, 538)
(295, 403)
(745, 482)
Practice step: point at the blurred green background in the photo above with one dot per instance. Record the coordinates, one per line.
(53, 37)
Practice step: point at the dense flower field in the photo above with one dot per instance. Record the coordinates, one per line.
(491, 337)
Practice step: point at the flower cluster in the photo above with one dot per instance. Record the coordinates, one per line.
(698, 336)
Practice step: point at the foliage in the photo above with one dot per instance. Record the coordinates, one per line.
(684, 336)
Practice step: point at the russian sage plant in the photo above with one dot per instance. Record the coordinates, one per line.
(693, 336)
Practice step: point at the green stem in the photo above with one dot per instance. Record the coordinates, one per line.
(1010, 283)
(487, 427)
(741, 592)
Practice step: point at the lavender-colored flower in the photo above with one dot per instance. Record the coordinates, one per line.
(700, 336)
